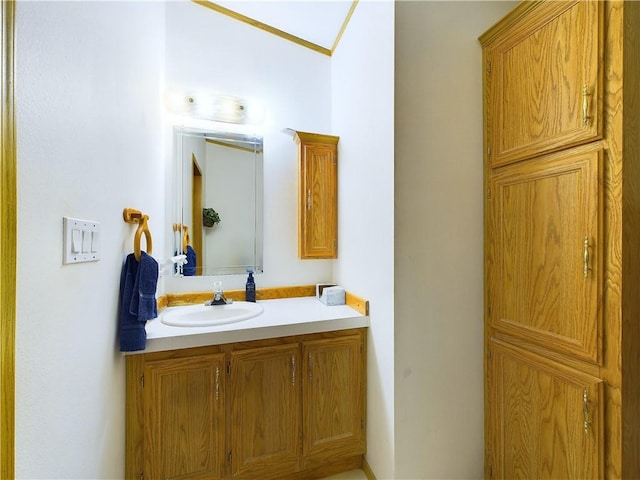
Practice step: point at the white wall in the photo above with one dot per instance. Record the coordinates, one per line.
(438, 247)
(209, 51)
(89, 144)
(362, 86)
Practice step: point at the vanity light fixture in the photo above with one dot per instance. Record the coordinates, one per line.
(213, 107)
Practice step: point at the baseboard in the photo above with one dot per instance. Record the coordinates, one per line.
(366, 468)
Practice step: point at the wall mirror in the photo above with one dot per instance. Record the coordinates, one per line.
(218, 214)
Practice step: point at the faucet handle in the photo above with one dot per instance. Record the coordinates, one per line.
(217, 289)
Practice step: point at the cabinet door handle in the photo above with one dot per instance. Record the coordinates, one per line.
(310, 368)
(217, 382)
(585, 409)
(309, 199)
(585, 256)
(585, 105)
(293, 370)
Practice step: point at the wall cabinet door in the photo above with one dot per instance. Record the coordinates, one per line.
(184, 418)
(333, 399)
(544, 418)
(318, 196)
(532, 109)
(545, 253)
(265, 411)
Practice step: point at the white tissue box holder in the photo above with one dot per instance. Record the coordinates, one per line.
(330, 294)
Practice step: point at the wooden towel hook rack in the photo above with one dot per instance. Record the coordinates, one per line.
(132, 215)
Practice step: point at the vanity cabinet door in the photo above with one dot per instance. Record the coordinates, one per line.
(318, 196)
(333, 399)
(184, 418)
(265, 411)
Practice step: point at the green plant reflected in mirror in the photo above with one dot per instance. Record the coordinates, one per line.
(218, 205)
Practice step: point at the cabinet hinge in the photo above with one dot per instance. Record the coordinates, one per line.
(229, 458)
(228, 368)
(489, 354)
(488, 67)
(362, 424)
(361, 348)
(488, 151)
(142, 381)
(488, 194)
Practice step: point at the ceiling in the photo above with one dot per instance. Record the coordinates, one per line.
(317, 23)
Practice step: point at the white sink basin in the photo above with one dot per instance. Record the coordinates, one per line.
(206, 316)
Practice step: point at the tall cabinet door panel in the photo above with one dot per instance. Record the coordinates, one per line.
(333, 399)
(184, 406)
(318, 201)
(545, 256)
(535, 110)
(265, 411)
(544, 418)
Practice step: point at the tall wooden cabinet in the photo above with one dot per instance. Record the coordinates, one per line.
(562, 241)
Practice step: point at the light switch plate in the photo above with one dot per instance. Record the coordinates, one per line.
(87, 246)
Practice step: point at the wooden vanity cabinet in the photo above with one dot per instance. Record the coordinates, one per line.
(290, 407)
(317, 195)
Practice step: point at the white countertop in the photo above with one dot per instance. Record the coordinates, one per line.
(281, 318)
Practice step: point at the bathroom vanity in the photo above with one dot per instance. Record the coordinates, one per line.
(281, 395)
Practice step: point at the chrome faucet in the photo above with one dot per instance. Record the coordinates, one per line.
(218, 296)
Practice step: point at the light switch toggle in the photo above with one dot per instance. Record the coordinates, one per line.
(86, 241)
(81, 241)
(76, 240)
(94, 241)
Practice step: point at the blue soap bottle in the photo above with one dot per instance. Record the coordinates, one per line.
(250, 288)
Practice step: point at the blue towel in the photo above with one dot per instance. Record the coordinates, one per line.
(189, 269)
(143, 301)
(138, 283)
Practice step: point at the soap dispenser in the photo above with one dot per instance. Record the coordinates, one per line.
(250, 288)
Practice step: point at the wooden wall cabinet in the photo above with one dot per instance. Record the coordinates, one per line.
(251, 410)
(317, 195)
(562, 237)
